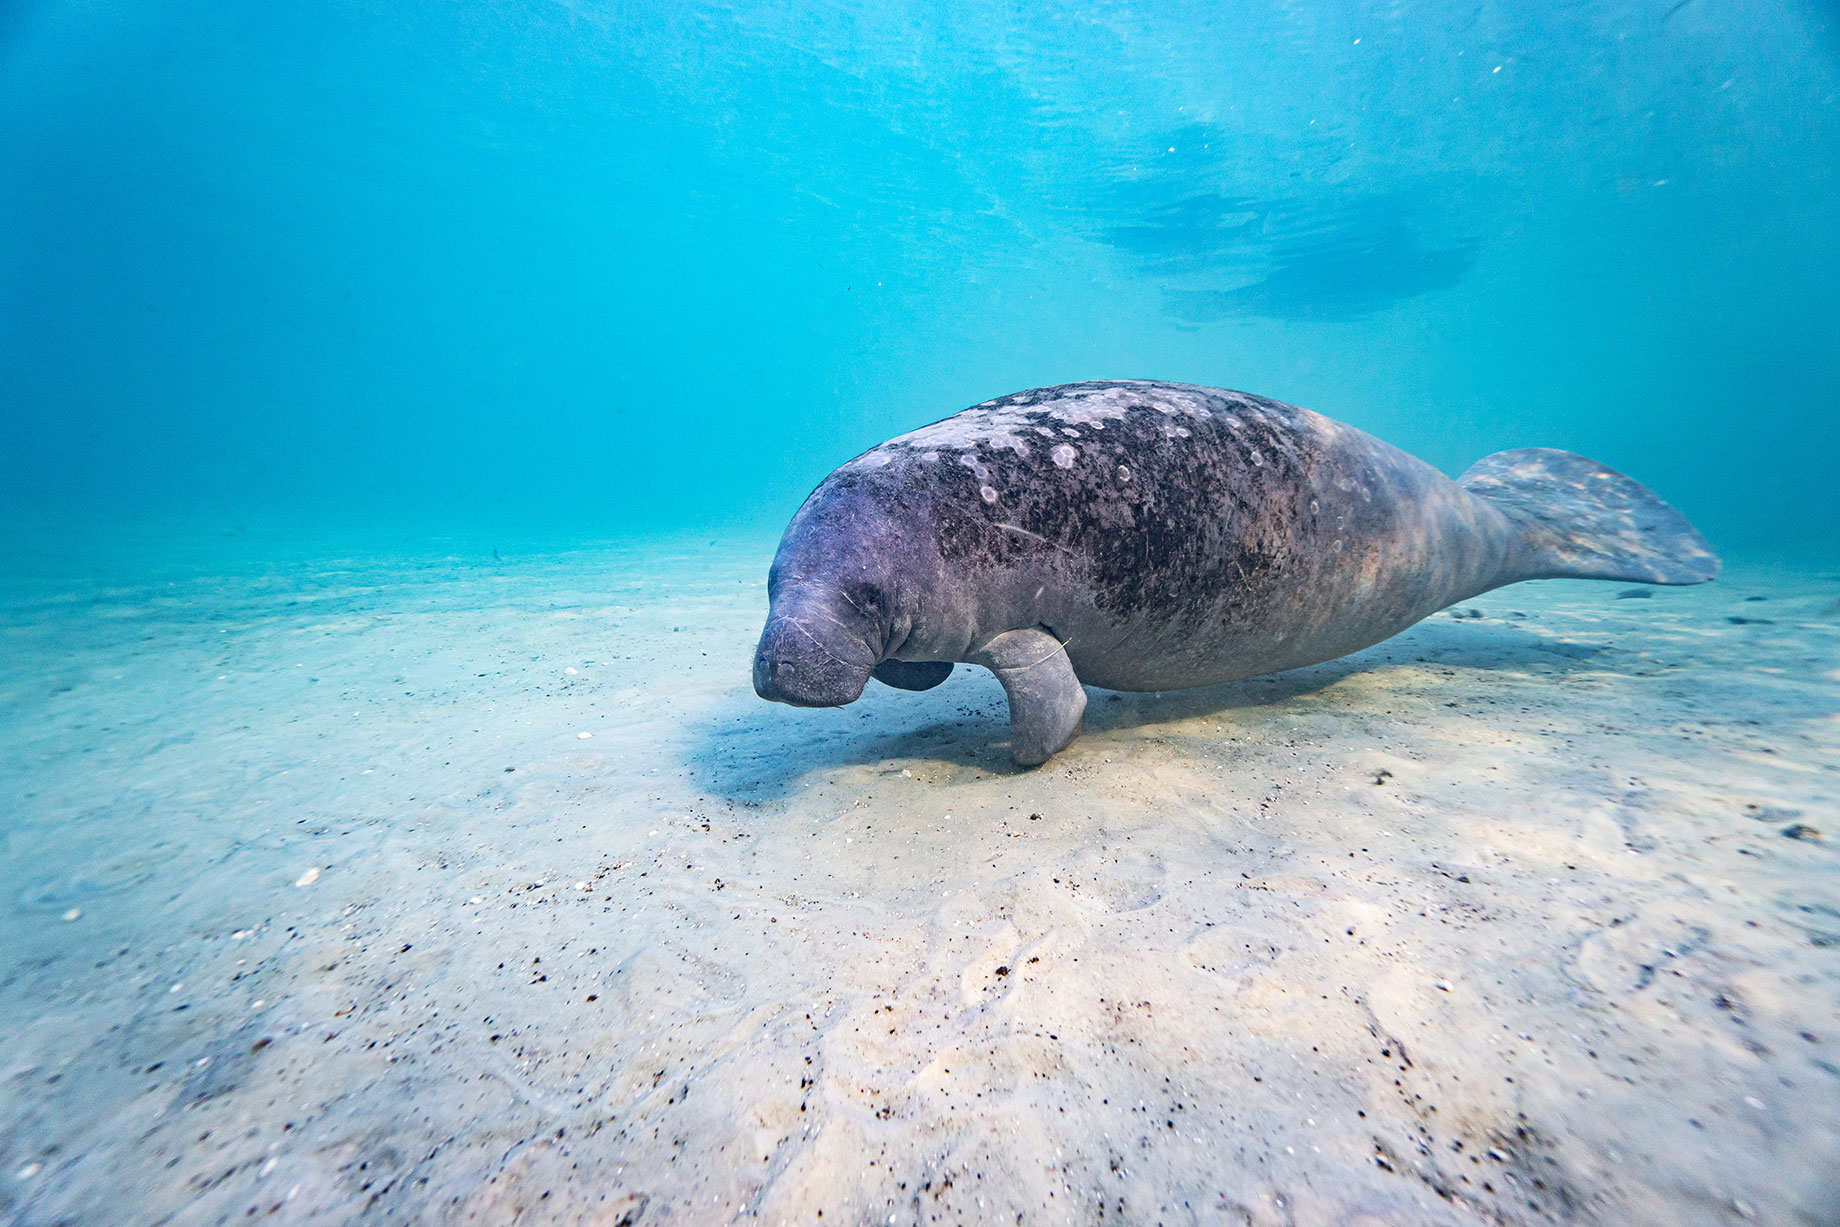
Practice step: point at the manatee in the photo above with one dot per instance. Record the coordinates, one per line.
(1136, 535)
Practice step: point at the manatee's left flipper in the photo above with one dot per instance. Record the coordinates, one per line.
(913, 674)
(1046, 701)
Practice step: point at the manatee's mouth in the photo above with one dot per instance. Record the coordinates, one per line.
(796, 665)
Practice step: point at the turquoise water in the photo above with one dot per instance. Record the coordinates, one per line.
(398, 406)
(587, 270)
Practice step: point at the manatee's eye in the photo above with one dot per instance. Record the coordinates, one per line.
(867, 599)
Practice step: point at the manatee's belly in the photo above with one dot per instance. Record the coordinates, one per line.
(1154, 654)
(1312, 606)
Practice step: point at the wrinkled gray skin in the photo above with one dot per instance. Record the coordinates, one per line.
(1152, 536)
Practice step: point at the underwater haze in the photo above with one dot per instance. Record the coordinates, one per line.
(587, 269)
(400, 401)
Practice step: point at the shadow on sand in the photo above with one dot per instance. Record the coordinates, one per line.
(755, 752)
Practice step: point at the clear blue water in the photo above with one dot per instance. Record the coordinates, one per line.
(593, 269)
(398, 403)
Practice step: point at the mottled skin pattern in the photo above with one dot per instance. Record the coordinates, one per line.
(1168, 536)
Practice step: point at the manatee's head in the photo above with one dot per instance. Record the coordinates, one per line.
(835, 591)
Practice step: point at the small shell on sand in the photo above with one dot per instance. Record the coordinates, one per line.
(308, 878)
(584, 736)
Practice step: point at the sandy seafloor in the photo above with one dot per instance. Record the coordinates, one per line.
(319, 905)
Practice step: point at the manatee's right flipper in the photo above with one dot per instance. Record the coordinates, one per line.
(912, 674)
(1581, 520)
(1046, 700)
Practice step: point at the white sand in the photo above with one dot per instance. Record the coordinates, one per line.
(724, 960)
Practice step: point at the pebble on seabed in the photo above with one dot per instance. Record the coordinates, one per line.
(308, 878)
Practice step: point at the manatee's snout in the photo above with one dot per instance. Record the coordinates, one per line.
(806, 667)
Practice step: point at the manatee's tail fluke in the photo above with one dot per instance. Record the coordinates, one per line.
(1581, 520)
